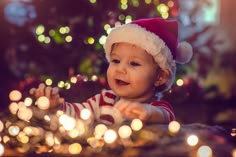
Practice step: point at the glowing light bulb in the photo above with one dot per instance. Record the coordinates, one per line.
(13, 130)
(95, 143)
(125, 131)
(49, 138)
(128, 19)
(25, 114)
(2, 149)
(136, 124)
(85, 114)
(124, 6)
(13, 107)
(68, 38)
(73, 79)
(106, 27)
(28, 130)
(179, 82)
(40, 29)
(62, 30)
(28, 101)
(48, 82)
(67, 85)
(6, 139)
(100, 130)
(47, 118)
(148, 1)
(74, 133)
(94, 78)
(91, 40)
(41, 38)
(204, 151)
(43, 103)
(192, 140)
(1, 126)
(15, 95)
(67, 122)
(61, 84)
(24, 139)
(110, 136)
(75, 148)
(102, 39)
(174, 127)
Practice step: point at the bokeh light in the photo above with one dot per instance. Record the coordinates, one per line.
(102, 39)
(25, 114)
(75, 148)
(67, 122)
(43, 103)
(136, 124)
(192, 140)
(15, 95)
(39, 29)
(204, 151)
(13, 130)
(179, 82)
(48, 81)
(28, 101)
(68, 38)
(91, 40)
(85, 114)
(125, 131)
(100, 130)
(1, 126)
(13, 107)
(92, 1)
(110, 136)
(174, 127)
(73, 79)
(2, 149)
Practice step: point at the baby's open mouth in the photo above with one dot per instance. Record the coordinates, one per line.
(120, 82)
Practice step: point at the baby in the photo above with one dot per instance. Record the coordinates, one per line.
(142, 58)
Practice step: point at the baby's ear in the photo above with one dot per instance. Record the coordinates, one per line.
(162, 77)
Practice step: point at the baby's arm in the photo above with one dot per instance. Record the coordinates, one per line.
(51, 93)
(145, 112)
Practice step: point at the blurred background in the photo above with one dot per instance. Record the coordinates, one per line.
(59, 42)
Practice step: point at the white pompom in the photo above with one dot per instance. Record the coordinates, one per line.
(184, 53)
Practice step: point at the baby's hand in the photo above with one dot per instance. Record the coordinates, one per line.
(51, 93)
(133, 110)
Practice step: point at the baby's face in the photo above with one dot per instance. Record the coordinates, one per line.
(132, 72)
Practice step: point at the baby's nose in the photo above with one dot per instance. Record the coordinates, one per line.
(122, 68)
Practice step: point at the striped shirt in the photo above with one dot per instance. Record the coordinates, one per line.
(107, 98)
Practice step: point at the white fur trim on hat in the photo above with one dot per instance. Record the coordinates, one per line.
(134, 34)
(184, 53)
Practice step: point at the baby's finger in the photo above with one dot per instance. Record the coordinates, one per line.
(121, 105)
(42, 85)
(61, 100)
(41, 90)
(48, 92)
(55, 90)
(32, 91)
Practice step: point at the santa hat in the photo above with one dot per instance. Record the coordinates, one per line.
(159, 37)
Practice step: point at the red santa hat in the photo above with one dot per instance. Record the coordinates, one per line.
(159, 37)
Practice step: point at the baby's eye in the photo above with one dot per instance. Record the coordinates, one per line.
(115, 61)
(135, 64)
